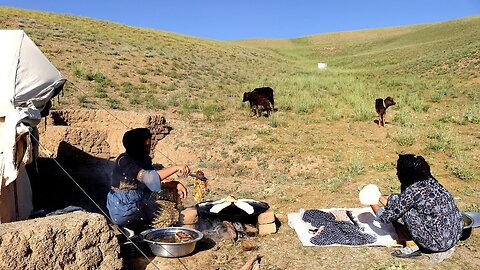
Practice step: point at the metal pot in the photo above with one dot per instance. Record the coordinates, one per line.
(170, 249)
(467, 226)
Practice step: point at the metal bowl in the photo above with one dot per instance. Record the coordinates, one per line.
(467, 226)
(170, 249)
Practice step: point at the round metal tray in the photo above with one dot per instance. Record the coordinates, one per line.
(170, 250)
(233, 213)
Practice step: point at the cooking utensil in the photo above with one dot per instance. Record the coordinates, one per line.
(475, 216)
(198, 176)
(174, 249)
(232, 212)
(468, 223)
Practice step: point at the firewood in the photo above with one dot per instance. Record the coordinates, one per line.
(253, 263)
(230, 230)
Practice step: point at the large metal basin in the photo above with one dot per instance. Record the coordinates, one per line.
(467, 226)
(170, 249)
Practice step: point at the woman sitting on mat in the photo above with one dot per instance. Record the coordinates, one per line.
(131, 202)
(424, 211)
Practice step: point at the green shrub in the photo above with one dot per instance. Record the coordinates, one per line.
(461, 170)
(127, 87)
(471, 114)
(210, 109)
(402, 118)
(405, 139)
(113, 103)
(82, 99)
(442, 140)
(384, 166)
(135, 99)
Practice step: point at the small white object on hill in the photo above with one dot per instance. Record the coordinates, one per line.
(322, 65)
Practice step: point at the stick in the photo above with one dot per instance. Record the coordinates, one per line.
(253, 263)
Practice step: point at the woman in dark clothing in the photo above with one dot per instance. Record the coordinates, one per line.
(424, 209)
(134, 180)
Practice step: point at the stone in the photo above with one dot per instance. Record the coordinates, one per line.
(266, 217)
(250, 230)
(189, 215)
(265, 229)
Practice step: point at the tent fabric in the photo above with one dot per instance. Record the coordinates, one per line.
(16, 134)
(16, 200)
(28, 80)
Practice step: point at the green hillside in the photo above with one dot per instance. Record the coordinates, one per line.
(126, 67)
(322, 144)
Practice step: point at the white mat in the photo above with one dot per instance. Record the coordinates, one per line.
(385, 233)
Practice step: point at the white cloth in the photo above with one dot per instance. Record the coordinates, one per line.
(152, 180)
(16, 199)
(13, 131)
(386, 235)
(370, 194)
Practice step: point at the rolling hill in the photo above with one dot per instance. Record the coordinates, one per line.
(322, 144)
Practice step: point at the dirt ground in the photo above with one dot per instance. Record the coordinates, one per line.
(194, 144)
(248, 158)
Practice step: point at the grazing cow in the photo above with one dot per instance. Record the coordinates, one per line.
(257, 100)
(268, 93)
(381, 106)
(258, 103)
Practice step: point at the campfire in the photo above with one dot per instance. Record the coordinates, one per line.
(230, 218)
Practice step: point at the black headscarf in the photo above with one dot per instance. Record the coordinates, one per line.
(411, 169)
(134, 143)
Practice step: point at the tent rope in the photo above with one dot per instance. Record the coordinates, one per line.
(99, 208)
(49, 153)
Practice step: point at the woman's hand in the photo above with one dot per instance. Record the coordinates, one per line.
(182, 191)
(183, 171)
(383, 200)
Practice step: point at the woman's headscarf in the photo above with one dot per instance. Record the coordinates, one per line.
(411, 169)
(134, 143)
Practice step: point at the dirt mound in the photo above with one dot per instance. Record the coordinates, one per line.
(77, 240)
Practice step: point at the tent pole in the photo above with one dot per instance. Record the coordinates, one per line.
(17, 214)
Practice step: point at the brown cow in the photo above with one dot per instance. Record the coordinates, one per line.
(258, 103)
(381, 106)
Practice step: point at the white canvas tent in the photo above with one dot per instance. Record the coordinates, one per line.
(27, 82)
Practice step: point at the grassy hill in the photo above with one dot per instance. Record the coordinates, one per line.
(322, 145)
(124, 67)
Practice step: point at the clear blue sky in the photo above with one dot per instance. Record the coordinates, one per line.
(243, 19)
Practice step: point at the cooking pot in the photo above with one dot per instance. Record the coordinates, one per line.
(468, 222)
(162, 241)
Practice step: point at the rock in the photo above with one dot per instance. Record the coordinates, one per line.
(265, 229)
(248, 245)
(78, 240)
(250, 229)
(266, 217)
(188, 216)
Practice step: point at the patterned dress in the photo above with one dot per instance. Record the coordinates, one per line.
(429, 213)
